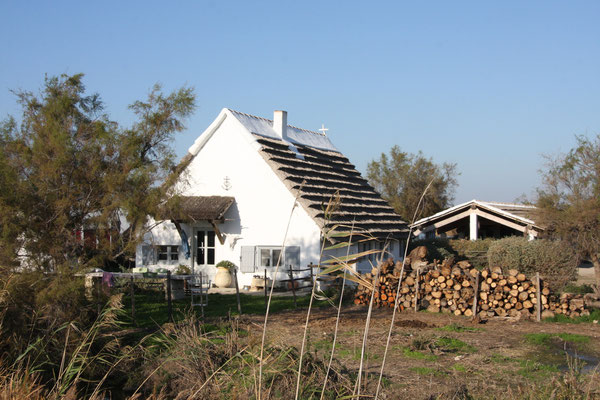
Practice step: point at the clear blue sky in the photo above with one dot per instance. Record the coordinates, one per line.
(490, 86)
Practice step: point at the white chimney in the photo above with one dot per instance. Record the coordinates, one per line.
(280, 124)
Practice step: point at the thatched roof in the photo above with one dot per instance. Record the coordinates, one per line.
(315, 175)
(198, 208)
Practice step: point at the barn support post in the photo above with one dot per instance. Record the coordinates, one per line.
(473, 225)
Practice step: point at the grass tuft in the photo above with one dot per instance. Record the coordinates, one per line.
(543, 339)
(453, 345)
(417, 355)
(459, 328)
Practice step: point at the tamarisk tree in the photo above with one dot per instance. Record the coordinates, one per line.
(66, 167)
(569, 200)
(402, 177)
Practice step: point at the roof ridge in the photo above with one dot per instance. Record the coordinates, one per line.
(507, 204)
(271, 121)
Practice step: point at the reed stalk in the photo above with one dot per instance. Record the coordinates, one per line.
(264, 333)
(387, 343)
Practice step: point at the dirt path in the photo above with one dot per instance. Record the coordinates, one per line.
(439, 353)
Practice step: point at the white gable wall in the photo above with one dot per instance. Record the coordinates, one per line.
(262, 205)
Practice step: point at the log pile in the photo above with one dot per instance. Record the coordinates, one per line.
(451, 287)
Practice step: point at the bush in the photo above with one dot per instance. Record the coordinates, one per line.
(554, 260)
(473, 250)
(437, 248)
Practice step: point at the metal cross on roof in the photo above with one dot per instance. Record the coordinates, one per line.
(323, 129)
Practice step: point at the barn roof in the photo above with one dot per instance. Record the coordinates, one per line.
(520, 213)
(316, 175)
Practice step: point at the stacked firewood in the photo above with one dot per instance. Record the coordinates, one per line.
(572, 305)
(454, 287)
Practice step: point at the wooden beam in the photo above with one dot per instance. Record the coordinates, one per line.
(501, 220)
(450, 220)
(217, 232)
(484, 214)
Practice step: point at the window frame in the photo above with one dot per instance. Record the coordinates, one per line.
(203, 247)
(273, 260)
(170, 251)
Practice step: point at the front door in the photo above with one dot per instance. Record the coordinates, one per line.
(205, 248)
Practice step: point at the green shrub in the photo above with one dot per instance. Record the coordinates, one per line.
(475, 251)
(554, 260)
(437, 248)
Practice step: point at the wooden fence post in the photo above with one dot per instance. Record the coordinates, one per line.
(291, 273)
(538, 296)
(237, 291)
(169, 303)
(417, 290)
(476, 294)
(132, 294)
(265, 284)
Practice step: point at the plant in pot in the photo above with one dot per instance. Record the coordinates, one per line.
(183, 270)
(223, 277)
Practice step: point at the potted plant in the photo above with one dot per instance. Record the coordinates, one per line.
(183, 269)
(223, 277)
(258, 282)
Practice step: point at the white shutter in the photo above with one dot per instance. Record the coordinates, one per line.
(248, 259)
(292, 257)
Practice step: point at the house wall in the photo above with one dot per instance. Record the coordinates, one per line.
(229, 165)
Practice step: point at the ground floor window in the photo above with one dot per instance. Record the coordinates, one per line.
(168, 253)
(151, 254)
(259, 257)
(269, 256)
(205, 249)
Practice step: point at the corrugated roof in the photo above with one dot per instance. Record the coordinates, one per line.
(521, 210)
(319, 175)
(517, 212)
(264, 127)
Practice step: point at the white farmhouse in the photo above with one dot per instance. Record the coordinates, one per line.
(244, 179)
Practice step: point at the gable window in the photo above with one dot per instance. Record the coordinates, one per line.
(371, 245)
(205, 250)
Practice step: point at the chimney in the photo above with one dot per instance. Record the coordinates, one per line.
(280, 124)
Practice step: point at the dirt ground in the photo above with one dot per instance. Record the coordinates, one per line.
(433, 354)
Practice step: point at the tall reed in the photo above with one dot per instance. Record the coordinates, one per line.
(387, 343)
(264, 333)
